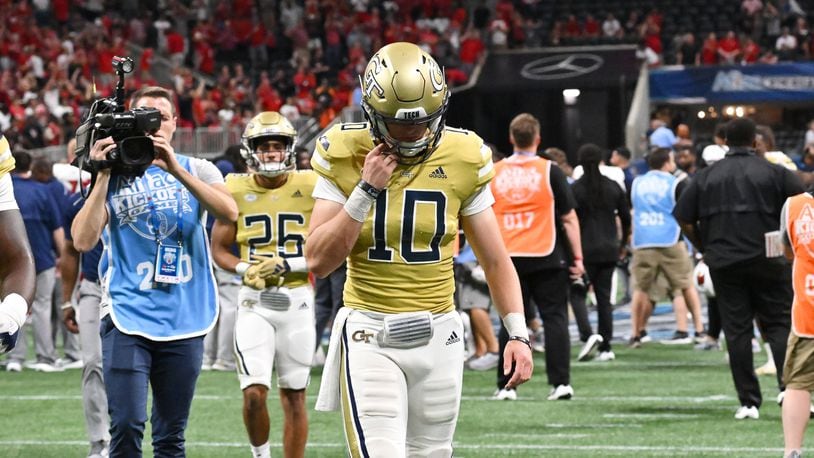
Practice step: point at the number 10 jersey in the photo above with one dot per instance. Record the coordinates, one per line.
(402, 260)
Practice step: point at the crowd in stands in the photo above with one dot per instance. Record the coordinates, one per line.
(235, 58)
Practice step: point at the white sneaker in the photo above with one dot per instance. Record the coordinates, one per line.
(205, 366)
(767, 369)
(538, 341)
(100, 449)
(220, 366)
(41, 366)
(504, 394)
(14, 366)
(484, 363)
(68, 364)
(605, 356)
(590, 345)
(319, 357)
(561, 392)
(745, 412)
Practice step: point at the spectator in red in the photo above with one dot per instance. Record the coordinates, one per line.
(729, 48)
(267, 96)
(204, 56)
(591, 26)
(652, 35)
(751, 51)
(572, 28)
(304, 80)
(471, 49)
(709, 50)
(175, 46)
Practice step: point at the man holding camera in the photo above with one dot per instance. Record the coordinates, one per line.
(158, 292)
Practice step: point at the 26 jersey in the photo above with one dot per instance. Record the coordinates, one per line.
(413, 223)
(274, 220)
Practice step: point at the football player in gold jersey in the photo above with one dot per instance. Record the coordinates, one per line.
(275, 317)
(16, 262)
(389, 198)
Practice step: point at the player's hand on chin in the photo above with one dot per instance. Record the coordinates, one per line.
(379, 165)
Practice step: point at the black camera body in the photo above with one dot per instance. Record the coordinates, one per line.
(134, 150)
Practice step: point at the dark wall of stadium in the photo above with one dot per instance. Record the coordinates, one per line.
(597, 117)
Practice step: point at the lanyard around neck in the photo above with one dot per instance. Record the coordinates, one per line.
(179, 212)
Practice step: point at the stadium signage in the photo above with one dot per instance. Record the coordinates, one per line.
(787, 82)
(563, 66)
(558, 68)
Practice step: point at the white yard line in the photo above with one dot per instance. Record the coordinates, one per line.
(597, 447)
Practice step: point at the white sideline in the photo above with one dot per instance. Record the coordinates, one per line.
(214, 397)
(609, 448)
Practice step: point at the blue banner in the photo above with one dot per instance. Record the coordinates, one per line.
(786, 82)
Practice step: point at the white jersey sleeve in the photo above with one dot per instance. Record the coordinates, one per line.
(7, 200)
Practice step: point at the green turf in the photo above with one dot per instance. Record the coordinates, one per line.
(655, 401)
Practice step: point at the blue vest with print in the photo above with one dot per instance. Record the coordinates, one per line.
(653, 197)
(138, 305)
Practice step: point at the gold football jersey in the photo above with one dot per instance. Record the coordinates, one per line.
(402, 261)
(6, 159)
(274, 220)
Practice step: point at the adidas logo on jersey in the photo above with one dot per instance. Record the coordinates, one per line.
(438, 173)
(453, 338)
(304, 306)
(297, 193)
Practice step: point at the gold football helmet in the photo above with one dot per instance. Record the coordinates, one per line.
(269, 125)
(404, 85)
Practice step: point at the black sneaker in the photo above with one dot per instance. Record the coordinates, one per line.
(679, 338)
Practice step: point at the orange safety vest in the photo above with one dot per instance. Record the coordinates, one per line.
(800, 227)
(524, 205)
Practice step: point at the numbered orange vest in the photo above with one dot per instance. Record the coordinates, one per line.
(524, 205)
(800, 227)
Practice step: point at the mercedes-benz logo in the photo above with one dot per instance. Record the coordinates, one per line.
(561, 66)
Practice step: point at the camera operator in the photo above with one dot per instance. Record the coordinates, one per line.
(158, 294)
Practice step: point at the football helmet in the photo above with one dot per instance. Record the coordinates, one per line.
(266, 126)
(402, 84)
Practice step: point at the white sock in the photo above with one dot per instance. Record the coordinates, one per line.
(261, 451)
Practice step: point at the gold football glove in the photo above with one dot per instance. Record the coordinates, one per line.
(270, 268)
(252, 279)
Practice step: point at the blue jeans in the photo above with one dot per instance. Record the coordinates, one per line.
(171, 368)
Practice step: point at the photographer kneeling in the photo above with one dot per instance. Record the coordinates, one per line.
(158, 292)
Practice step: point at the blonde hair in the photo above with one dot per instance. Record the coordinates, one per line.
(524, 129)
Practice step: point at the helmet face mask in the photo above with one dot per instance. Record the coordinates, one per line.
(403, 85)
(269, 126)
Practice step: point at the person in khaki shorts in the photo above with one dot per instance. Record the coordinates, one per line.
(656, 241)
(798, 370)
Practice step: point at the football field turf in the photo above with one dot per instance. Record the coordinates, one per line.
(655, 401)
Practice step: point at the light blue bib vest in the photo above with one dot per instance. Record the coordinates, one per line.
(653, 197)
(137, 304)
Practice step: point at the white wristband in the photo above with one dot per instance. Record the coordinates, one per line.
(16, 307)
(66, 305)
(242, 267)
(358, 205)
(515, 324)
(297, 264)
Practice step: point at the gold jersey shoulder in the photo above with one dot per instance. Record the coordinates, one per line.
(274, 220)
(6, 159)
(402, 260)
